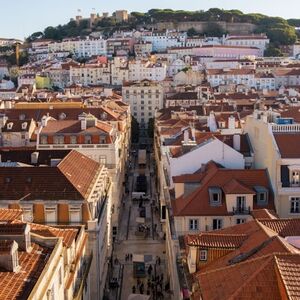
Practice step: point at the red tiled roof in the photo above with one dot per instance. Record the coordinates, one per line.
(289, 270)
(9, 215)
(74, 126)
(288, 144)
(264, 214)
(234, 186)
(253, 279)
(198, 204)
(19, 285)
(71, 179)
(216, 240)
(283, 227)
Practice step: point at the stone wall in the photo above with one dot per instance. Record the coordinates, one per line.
(232, 28)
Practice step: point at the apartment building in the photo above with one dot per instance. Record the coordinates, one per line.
(140, 70)
(162, 40)
(54, 261)
(217, 197)
(263, 250)
(72, 191)
(216, 51)
(275, 144)
(119, 46)
(259, 41)
(80, 47)
(144, 98)
(218, 77)
(90, 74)
(17, 133)
(59, 73)
(143, 48)
(107, 144)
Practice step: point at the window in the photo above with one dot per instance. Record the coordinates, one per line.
(27, 213)
(102, 159)
(295, 177)
(295, 201)
(50, 214)
(102, 139)
(217, 224)
(73, 139)
(44, 139)
(203, 255)
(193, 224)
(58, 139)
(215, 195)
(75, 213)
(240, 221)
(240, 203)
(87, 139)
(262, 198)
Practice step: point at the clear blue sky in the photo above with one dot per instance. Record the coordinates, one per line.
(20, 18)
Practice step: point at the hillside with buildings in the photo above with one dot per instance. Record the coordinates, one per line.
(151, 156)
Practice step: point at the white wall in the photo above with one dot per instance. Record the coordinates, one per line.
(214, 150)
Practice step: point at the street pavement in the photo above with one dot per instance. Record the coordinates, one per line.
(128, 242)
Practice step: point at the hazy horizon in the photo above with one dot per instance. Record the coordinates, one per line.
(19, 20)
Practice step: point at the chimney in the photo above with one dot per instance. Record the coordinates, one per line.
(107, 92)
(212, 122)
(34, 158)
(186, 136)
(231, 122)
(9, 259)
(237, 142)
(44, 121)
(83, 124)
(193, 133)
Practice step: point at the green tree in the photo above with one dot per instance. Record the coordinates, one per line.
(192, 32)
(272, 51)
(214, 29)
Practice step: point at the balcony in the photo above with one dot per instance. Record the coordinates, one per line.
(241, 210)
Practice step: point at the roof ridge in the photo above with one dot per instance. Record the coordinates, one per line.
(234, 265)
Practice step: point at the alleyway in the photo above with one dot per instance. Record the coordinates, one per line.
(130, 241)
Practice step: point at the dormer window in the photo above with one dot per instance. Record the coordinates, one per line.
(215, 194)
(10, 125)
(24, 125)
(87, 139)
(261, 195)
(44, 140)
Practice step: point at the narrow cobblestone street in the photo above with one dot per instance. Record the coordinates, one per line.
(129, 241)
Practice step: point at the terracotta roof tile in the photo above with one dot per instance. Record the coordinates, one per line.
(9, 215)
(289, 269)
(19, 285)
(198, 202)
(264, 214)
(283, 227)
(288, 144)
(253, 279)
(216, 240)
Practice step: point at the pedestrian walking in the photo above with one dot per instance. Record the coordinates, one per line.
(133, 289)
(130, 256)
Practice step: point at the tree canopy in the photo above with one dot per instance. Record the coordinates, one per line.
(279, 30)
